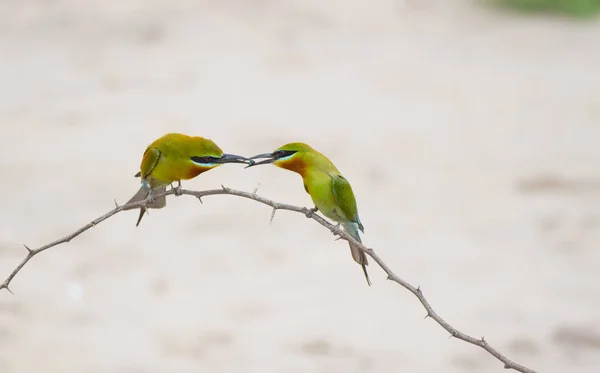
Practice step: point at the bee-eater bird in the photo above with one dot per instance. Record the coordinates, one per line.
(330, 191)
(176, 157)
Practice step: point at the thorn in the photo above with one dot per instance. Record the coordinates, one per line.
(7, 288)
(28, 249)
(256, 189)
(200, 199)
(389, 277)
(272, 215)
(116, 204)
(426, 316)
(339, 238)
(452, 334)
(483, 340)
(223, 186)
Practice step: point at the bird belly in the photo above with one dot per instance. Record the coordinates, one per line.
(323, 198)
(168, 171)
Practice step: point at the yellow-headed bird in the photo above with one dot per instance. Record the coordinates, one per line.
(176, 157)
(330, 191)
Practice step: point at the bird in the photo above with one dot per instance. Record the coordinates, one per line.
(172, 158)
(329, 190)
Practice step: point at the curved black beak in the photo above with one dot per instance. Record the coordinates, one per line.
(232, 158)
(270, 158)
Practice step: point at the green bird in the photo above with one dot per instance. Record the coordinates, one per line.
(175, 157)
(329, 189)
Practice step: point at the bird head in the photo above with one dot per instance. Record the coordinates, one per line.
(290, 156)
(207, 154)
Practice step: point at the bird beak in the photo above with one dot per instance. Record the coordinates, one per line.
(270, 158)
(232, 158)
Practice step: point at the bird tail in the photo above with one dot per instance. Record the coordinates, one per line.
(142, 194)
(357, 254)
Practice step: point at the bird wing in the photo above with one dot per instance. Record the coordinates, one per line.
(149, 161)
(344, 197)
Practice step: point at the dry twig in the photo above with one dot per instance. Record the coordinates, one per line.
(481, 342)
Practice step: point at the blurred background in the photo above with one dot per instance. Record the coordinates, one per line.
(469, 131)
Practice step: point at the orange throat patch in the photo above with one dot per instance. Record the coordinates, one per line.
(293, 164)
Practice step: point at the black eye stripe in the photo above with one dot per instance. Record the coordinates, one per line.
(208, 159)
(283, 153)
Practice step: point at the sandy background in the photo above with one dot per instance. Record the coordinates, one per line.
(471, 139)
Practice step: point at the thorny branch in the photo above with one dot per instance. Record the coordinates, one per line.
(309, 213)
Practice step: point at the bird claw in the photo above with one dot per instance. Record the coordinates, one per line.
(150, 198)
(336, 230)
(310, 212)
(177, 189)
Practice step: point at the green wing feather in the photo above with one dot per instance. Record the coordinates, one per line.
(149, 161)
(344, 197)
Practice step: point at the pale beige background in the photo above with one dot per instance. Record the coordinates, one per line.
(471, 139)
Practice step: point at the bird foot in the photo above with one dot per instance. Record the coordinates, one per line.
(177, 189)
(310, 212)
(336, 230)
(150, 198)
